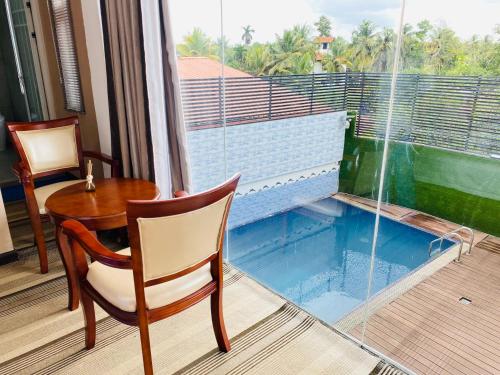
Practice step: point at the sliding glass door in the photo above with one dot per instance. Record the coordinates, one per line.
(24, 51)
(364, 144)
(439, 200)
(273, 99)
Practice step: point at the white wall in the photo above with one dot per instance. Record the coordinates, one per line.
(266, 152)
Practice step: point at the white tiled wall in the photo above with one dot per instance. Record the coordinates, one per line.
(264, 150)
(283, 163)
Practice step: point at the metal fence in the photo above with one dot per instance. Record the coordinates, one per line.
(458, 113)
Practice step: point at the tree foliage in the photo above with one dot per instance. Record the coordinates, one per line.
(247, 34)
(425, 48)
(197, 43)
(324, 26)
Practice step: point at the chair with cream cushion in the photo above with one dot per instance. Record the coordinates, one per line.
(48, 148)
(174, 261)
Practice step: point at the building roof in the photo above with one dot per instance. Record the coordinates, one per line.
(323, 39)
(205, 67)
(248, 98)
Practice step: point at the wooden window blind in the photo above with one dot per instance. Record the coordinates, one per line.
(67, 59)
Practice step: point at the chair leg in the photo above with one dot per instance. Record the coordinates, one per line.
(89, 315)
(218, 321)
(36, 224)
(66, 254)
(145, 345)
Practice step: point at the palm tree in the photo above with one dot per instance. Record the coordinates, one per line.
(324, 26)
(228, 50)
(413, 46)
(247, 34)
(239, 52)
(442, 49)
(197, 43)
(337, 59)
(363, 46)
(258, 59)
(293, 52)
(383, 49)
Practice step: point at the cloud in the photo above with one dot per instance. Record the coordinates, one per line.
(270, 17)
(465, 17)
(347, 14)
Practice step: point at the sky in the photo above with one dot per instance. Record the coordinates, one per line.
(268, 17)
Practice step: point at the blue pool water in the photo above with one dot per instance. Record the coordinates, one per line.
(318, 255)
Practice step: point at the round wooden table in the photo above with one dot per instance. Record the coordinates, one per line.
(103, 209)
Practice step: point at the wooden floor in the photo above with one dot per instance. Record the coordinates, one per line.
(427, 329)
(418, 219)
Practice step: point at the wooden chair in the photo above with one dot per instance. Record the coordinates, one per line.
(49, 148)
(174, 261)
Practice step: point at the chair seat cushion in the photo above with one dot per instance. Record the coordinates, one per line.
(117, 285)
(44, 192)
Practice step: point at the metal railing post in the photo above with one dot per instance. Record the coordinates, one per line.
(358, 120)
(270, 105)
(221, 103)
(413, 104)
(472, 111)
(345, 103)
(312, 94)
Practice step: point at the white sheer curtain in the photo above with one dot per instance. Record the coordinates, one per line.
(156, 95)
(165, 109)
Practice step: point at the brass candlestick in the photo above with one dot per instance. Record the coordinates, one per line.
(89, 186)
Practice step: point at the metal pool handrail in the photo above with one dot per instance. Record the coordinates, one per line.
(471, 241)
(448, 235)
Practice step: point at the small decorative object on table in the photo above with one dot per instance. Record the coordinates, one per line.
(89, 186)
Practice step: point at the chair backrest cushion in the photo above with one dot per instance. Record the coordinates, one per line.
(50, 149)
(170, 244)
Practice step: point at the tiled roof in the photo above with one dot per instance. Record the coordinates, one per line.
(204, 67)
(323, 39)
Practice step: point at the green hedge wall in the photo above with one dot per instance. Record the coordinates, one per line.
(455, 186)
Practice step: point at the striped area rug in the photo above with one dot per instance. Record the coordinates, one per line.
(25, 272)
(386, 369)
(268, 335)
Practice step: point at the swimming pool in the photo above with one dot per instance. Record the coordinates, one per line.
(318, 255)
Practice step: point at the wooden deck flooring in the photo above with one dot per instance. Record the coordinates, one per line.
(427, 329)
(389, 210)
(419, 219)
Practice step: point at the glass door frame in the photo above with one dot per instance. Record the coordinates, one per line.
(34, 56)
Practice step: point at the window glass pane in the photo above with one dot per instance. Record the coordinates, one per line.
(197, 33)
(441, 169)
(24, 47)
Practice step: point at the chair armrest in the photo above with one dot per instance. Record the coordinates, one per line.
(180, 194)
(22, 173)
(115, 164)
(78, 232)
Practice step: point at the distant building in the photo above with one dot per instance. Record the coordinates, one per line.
(323, 44)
